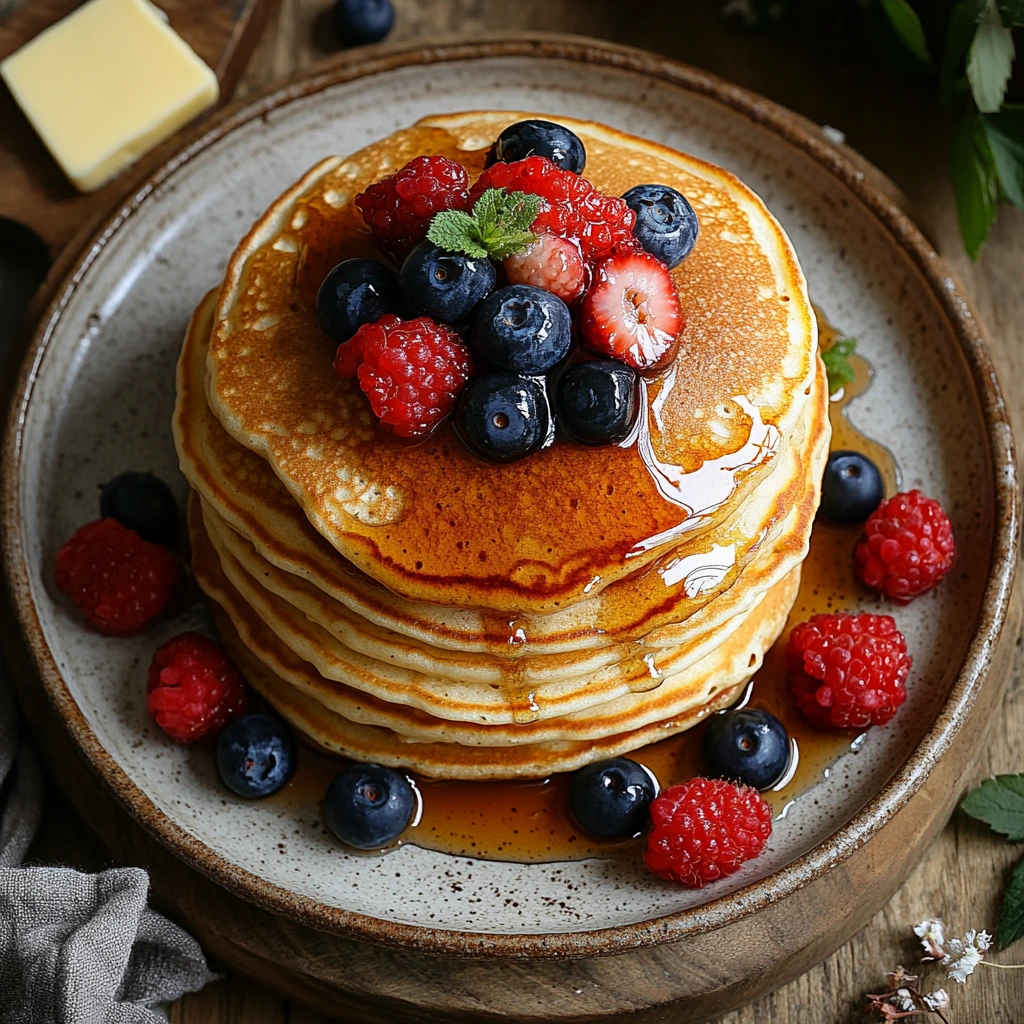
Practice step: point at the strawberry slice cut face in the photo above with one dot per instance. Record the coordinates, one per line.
(632, 311)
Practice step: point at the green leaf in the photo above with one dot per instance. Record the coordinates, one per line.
(975, 184)
(999, 802)
(498, 228)
(1005, 134)
(1011, 916)
(963, 23)
(907, 26)
(455, 231)
(837, 363)
(1011, 11)
(990, 60)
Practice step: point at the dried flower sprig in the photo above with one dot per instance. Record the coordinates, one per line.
(959, 957)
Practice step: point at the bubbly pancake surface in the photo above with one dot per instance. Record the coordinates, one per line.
(429, 520)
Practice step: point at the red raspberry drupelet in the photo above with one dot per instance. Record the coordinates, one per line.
(848, 671)
(412, 371)
(704, 830)
(571, 208)
(907, 547)
(398, 209)
(118, 581)
(193, 688)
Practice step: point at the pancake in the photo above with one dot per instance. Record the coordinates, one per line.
(346, 722)
(734, 661)
(432, 523)
(272, 539)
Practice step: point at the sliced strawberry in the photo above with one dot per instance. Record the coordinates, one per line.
(551, 263)
(632, 311)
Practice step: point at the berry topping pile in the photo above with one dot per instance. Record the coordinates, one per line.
(530, 275)
(704, 830)
(848, 671)
(907, 547)
(411, 370)
(193, 688)
(118, 581)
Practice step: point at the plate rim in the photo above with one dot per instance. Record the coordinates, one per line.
(618, 939)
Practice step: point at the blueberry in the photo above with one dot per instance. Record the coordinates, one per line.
(851, 488)
(143, 503)
(354, 293)
(609, 799)
(539, 138)
(666, 225)
(502, 416)
(522, 329)
(446, 286)
(750, 745)
(368, 806)
(358, 22)
(598, 400)
(255, 755)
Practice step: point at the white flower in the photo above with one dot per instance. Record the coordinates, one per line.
(932, 933)
(938, 1000)
(963, 955)
(902, 1000)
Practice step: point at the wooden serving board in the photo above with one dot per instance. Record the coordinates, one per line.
(33, 189)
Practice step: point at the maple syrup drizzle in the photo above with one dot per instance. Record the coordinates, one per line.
(529, 820)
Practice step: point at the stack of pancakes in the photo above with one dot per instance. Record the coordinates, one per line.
(412, 605)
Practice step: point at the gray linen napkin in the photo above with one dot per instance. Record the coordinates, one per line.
(77, 948)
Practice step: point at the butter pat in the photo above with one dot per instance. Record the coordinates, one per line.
(106, 84)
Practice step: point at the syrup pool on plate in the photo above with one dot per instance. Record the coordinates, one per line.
(529, 820)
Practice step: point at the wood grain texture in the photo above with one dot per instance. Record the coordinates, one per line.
(898, 126)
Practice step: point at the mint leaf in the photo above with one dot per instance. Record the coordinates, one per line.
(1005, 134)
(907, 25)
(1011, 11)
(975, 184)
(498, 228)
(455, 231)
(1011, 916)
(999, 802)
(963, 23)
(837, 363)
(990, 60)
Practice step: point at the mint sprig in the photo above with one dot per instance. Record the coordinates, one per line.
(837, 363)
(498, 227)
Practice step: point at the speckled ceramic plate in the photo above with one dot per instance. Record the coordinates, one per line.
(95, 398)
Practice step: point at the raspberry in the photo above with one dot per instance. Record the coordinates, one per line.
(551, 263)
(704, 830)
(399, 208)
(907, 547)
(118, 581)
(411, 370)
(572, 207)
(848, 671)
(193, 688)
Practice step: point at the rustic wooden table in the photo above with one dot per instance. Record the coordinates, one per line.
(898, 125)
